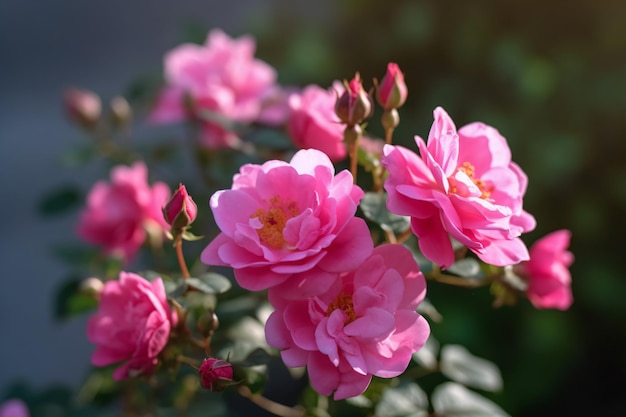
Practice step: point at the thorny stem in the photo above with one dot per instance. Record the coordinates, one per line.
(189, 361)
(269, 405)
(353, 160)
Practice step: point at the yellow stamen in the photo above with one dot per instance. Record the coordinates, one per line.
(274, 219)
(344, 303)
(469, 170)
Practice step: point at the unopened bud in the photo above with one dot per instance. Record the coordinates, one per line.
(91, 287)
(181, 210)
(392, 91)
(215, 374)
(354, 106)
(83, 107)
(121, 113)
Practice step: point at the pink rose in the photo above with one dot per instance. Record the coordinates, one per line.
(289, 223)
(392, 91)
(222, 76)
(14, 408)
(132, 324)
(363, 324)
(82, 106)
(313, 123)
(547, 272)
(463, 185)
(119, 213)
(215, 374)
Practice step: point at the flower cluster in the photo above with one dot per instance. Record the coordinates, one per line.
(344, 290)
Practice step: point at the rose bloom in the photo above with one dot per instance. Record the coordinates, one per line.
(547, 272)
(313, 123)
(132, 324)
(14, 408)
(215, 374)
(363, 324)
(289, 222)
(222, 76)
(119, 214)
(462, 185)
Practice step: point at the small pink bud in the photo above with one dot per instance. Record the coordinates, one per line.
(392, 91)
(91, 287)
(82, 106)
(181, 210)
(354, 105)
(215, 374)
(121, 113)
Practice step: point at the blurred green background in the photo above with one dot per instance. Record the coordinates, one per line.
(550, 75)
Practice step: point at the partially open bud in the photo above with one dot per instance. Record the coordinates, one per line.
(121, 113)
(181, 210)
(354, 106)
(392, 91)
(215, 374)
(83, 107)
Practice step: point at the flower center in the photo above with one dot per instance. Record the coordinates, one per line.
(274, 219)
(343, 302)
(468, 169)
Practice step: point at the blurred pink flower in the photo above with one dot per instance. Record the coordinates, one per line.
(132, 324)
(14, 408)
(547, 272)
(363, 324)
(289, 223)
(463, 185)
(222, 76)
(119, 213)
(215, 374)
(313, 123)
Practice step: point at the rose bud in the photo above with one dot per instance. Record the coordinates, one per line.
(215, 374)
(83, 107)
(392, 91)
(121, 113)
(354, 105)
(181, 210)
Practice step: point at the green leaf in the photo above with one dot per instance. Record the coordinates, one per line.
(466, 267)
(69, 302)
(454, 400)
(374, 206)
(79, 156)
(210, 283)
(459, 364)
(75, 254)
(258, 356)
(405, 400)
(427, 355)
(59, 201)
(270, 138)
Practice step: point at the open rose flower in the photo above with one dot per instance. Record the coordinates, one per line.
(14, 408)
(289, 222)
(223, 77)
(547, 273)
(132, 324)
(119, 214)
(462, 185)
(363, 324)
(313, 123)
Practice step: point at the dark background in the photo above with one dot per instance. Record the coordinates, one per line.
(551, 76)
